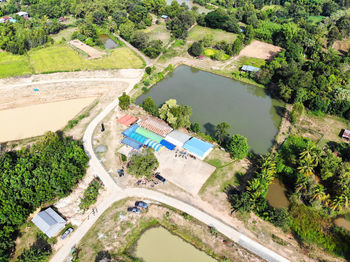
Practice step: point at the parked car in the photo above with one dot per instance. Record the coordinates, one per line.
(159, 177)
(66, 233)
(121, 172)
(141, 204)
(134, 210)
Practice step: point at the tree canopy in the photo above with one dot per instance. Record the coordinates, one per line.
(143, 164)
(176, 115)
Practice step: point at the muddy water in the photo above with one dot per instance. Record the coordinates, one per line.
(342, 222)
(107, 42)
(276, 194)
(30, 121)
(159, 245)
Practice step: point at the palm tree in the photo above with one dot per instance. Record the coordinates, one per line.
(302, 184)
(337, 203)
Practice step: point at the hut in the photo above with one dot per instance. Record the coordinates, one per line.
(198, 147)
(49, 222)
(177, 138)
(248, 68)
(346, 134)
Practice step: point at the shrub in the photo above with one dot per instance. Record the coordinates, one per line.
(90, 194)
(195, 49)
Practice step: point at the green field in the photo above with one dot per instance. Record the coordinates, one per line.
(244, 60)
(158, 32)
(58, 58)
(315, 19)
(211, 53)
(198, 32)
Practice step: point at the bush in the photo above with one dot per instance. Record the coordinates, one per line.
(238, 146)
(148, 70)
(90, 194)
(143, 164)
(124, 101)
(195, 49)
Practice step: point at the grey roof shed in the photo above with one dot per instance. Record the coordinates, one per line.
(177, 138)
(49, 222)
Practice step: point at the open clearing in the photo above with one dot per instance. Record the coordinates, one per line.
(158, 32)
(58, 58)
(30, 121)
(65, 33)
(342, 45)
(198, 32)
(91, 52)
(258, 49)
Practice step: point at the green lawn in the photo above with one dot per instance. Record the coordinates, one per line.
(244, 60)
(158, 32)
(14, 65)
(315, 19)
(66, 33)
(198, 32)
(210, 52)
(58, 58)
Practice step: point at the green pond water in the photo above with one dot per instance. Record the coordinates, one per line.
(215, 99)
(159, 245)
(107, 42)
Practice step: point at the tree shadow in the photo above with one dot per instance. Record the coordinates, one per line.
(103, 256)
(280, 110)
(210, 129)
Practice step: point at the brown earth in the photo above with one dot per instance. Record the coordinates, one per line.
(91, 52)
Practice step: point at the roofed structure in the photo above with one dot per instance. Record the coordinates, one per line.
(198, 147)
(130, 130)
(177, 138)
(131, 142)
(149, 134)
(49, 222)
(156, 125)
(167, 144)
(127, 120)
(249, 68)
(346, 134)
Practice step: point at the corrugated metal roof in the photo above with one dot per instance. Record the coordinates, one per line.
(198, 147)
(168, 145)
(130, 130)
(149, 134)
(177, 138)
(156, 125)
(49, 222)
(132, 142)
(127, 120)
(249, 68)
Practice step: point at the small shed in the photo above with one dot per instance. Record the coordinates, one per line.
(127, 120)
(198, 147)
(177, 138)
(248, 68)
(23, 14)
(49, 222)
(346, 134)
(164, 16)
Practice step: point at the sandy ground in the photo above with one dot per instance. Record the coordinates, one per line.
(260, 49)
(92, 52)
(342, 45)
(189, 174)
(35, 120)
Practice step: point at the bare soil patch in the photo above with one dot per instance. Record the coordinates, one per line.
(342, 45)
(260, 50)
(92, 52)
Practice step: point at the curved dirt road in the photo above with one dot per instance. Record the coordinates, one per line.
(116, 193)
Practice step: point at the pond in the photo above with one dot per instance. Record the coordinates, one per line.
(107, 42)
(343, 222)
(276, 194)
(159, 245)
(215, 99)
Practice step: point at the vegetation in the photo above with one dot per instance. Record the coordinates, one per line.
(39, 251)
(124, 101)
(143, 164)
(90, 194)
(46, 171)
(176, 115)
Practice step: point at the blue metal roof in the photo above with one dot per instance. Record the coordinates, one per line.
(250, 68)
(138, 137)
(168, 145)
(132, 142)
(153, 144)
(130, 130)
(197, 147)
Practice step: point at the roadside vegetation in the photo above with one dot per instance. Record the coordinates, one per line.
(90, 194)
(46, 171)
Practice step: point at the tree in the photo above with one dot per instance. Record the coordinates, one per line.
(127, 30)
(221, 132)
(150, 107)
(124, 101)
(177, 116)
(195, 128)
(139, 40)
(237, 46)
(238, 147)
(154, 48)
(195, 49)
(143, 164)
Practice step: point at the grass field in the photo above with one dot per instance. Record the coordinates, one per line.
(158, 32)
(58, 58)
(198, 32)
(65, 33)
(210, 52)
(315, 19)
(244, 60)
(13, 65)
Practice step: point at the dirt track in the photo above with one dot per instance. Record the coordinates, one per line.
(15, 92)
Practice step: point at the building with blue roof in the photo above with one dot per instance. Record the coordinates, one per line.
(167, 144)
(131, 142)
(130, 130)
(198, 147)
(248, 68)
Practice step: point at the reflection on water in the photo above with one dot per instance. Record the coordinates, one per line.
(159, 245)
(276, 194)
(215, 99)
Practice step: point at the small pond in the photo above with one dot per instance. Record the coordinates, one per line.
(276, 194)
(215, 99)
(342, 222)
(107, 42)
(159, 245)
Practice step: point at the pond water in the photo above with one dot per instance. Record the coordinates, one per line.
(107, 42)
(215, 99)
(159, 245)
(276, 194)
